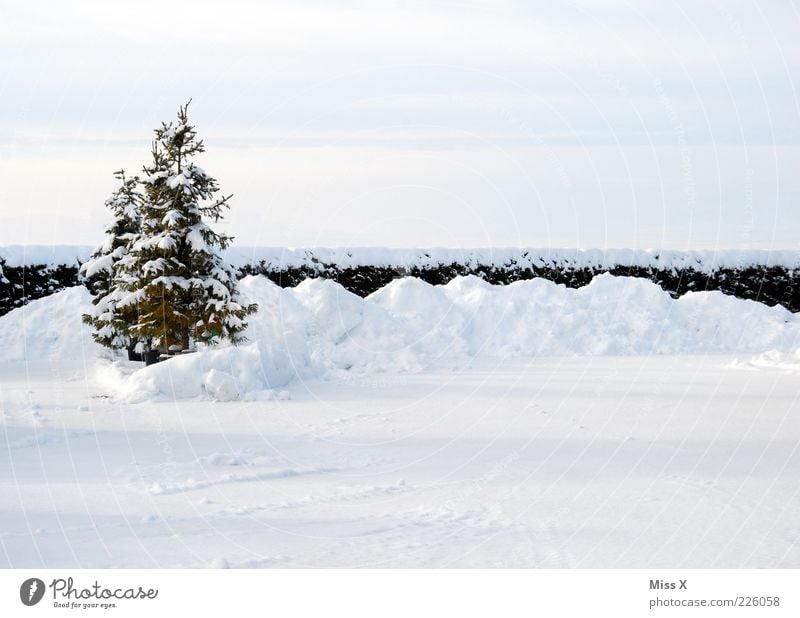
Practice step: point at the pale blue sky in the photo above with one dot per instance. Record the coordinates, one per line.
(602, 124)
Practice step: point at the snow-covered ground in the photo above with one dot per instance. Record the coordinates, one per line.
(462, 425)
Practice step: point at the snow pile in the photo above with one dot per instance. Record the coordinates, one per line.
(318, 329)
(773, 359)
(49, 329)
(612, 315)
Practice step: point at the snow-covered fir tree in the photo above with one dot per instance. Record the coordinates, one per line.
(111, 324)
(174, 275)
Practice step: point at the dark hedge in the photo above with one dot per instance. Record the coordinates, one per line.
(773, 285)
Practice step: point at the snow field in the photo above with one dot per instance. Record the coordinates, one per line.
(592, 461)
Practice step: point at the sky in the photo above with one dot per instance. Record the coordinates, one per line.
(408, 124)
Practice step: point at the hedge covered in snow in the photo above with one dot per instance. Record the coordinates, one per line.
(771, 277)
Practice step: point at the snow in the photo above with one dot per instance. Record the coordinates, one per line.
(704, 261)
(320, 330)
(283, 257)
(647, 461)
(772, 359)
(178, 180)
(172, 218)
(154, 266)
(196, 239)
(25, 255)
(166, 242)
(170, 282)
(49, 329)
(102, 263)
(464, 425)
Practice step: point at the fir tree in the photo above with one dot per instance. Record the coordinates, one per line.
(111, 325)
(182, 289)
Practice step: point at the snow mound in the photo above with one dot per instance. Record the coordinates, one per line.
(49, 329)
(316, 329)
(612, 315)
(772, 359)
(319, 329)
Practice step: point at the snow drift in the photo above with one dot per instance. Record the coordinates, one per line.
(49, 329)
(318, 329)
(772, 359)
